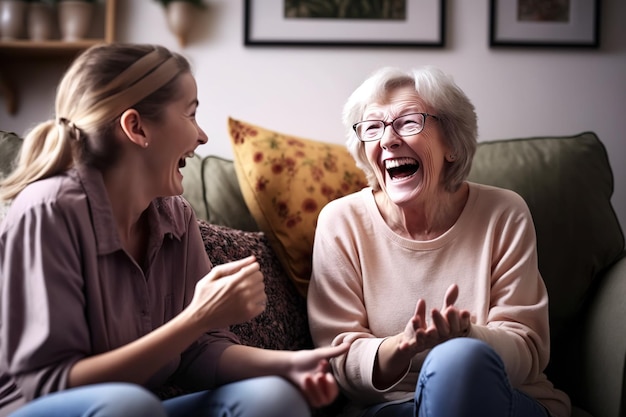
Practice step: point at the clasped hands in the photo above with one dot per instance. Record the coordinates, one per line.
(445, 324)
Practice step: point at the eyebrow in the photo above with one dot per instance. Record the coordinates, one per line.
(404, 111)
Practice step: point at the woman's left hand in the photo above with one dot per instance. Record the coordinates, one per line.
(310, 371)
(445, 324)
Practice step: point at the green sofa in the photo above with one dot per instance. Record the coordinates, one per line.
(567, 183)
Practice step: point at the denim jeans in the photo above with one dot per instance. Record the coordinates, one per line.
(462, 377)
(257, 397)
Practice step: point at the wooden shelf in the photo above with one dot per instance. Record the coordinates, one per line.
(27, 50)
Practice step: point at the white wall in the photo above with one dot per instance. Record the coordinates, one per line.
(517, 92)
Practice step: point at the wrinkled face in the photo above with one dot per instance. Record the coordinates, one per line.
(175, 138)
(408, 168)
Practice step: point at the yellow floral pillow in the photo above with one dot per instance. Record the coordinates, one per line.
(285, 181)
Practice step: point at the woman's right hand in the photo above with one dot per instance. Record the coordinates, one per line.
(231, 293)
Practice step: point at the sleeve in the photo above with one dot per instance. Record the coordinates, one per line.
(517, 321)
(198, 366)
(335, 303)
(42, 320)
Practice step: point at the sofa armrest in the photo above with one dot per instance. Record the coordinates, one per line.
(604, 345)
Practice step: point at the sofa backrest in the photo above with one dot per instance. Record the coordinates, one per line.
(10, 145)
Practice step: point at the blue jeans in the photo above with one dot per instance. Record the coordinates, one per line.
(257, 397)
(462, 377)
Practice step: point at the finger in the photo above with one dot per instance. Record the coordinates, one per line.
(250, 270)
(331, 390)
(465, 322)
(452, 294)
(440, 324)
(233, 267)
(417, 323)
(430, 338)
(421, 312)
(323, 388)
(453, 319)
(420, 339)
(314, 389)
(328, 352)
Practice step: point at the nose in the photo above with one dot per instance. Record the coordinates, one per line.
(202, 136)
(390, 139)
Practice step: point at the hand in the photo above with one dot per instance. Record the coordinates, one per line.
(231, 293)
(310, 371)
(446, 324)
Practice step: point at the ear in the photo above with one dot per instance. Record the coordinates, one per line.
(132, 125)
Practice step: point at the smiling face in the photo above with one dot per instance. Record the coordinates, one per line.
(174, 138)
(408, 168)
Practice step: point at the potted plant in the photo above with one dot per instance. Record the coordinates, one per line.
(75, 18)
(12, 19)
(41, 19)
(180, 15)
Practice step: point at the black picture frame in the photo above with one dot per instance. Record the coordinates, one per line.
(265, 25)
(576, 25)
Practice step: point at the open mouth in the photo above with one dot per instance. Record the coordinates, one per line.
(183, 161)
(401, 168)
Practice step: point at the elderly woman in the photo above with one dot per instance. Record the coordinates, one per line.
(432, 278)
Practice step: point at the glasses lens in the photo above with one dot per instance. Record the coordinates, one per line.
(410, 124)
(369, 130)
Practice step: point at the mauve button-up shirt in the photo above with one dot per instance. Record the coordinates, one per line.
(68, 290)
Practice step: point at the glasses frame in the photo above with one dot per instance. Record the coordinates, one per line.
(391, 123)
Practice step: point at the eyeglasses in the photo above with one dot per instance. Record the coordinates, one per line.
(407, 125)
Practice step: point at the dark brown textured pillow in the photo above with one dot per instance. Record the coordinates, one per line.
(283, 325)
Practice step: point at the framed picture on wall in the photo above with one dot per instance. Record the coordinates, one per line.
(550, 23)
(404, 23)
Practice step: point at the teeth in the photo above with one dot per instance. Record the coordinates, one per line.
(395, 163)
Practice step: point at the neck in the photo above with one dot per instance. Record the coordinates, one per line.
(424, 220)
(127, 193)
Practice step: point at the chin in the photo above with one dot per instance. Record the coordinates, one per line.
(403, 190)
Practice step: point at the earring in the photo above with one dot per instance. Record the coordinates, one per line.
(145, 144)
(451, 157)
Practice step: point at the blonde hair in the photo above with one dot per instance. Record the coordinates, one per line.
(99, 86)
(440, 93)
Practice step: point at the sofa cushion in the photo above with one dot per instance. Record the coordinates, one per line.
(211, 187)
(10, 145)
(283, 325)
(285, 181)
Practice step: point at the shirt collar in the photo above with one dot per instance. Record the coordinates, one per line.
(163, 219)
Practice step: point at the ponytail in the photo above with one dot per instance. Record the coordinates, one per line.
(46, 152)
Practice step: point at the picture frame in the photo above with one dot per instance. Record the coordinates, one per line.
(265, 24)
(548, 23)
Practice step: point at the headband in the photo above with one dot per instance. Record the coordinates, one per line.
(147, 84)
(144, 77)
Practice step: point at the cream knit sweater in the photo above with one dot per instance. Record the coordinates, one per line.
(366, 279)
